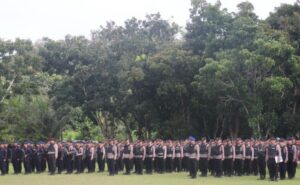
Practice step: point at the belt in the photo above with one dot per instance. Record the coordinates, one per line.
(138, 156)
(203, 155)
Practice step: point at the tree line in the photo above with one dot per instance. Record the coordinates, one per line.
(225, 74)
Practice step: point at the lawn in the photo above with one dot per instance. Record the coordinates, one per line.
(156, 179)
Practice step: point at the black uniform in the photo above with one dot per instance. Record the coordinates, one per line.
(203, 162)
(282, 164)
(160, 160)
(100, 159)
(291, 164)
(228, 161)
(247, 162)
(255, 160)
(17, 157)
(39, 159)
(111, 158)
(60, 160)
(51, 159)
(193, 161)
(27, 160)
(239, 161)
(138, 152)
(261, 159)
(272, 165)
(3, 159)
(177, 159)
(169, 159)
(149, 159)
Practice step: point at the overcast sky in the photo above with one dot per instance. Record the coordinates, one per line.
(35, 19)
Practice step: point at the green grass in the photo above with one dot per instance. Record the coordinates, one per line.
(156, 179)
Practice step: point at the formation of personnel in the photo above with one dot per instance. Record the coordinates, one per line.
(217, 157)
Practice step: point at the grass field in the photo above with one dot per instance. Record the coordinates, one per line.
(156, 179)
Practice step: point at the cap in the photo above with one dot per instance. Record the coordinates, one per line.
(192, 138)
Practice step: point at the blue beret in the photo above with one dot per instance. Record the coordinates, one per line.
(192, 138)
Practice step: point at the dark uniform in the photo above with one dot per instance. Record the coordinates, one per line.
(79, 159)
(185, 159)
(204, 158)
(178, 156)
(3, 159)
(90, 155)
(101, 158)
(70, 156)
(272, 152)
(292, 160)
(60, 159)
(228, 161)
(160, 158)
(139, 154)
(169, 159)
(255, 160)
(52, 158)
(239, 159)
(39, 158)
(218, 157)
(261, 161)
(193, 159)
(27, 160)
(127, 158)
(248, 160)
(149, 159)
(17, 157)
(282, 164)
(111, 155)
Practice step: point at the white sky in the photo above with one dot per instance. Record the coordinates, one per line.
(35, 19)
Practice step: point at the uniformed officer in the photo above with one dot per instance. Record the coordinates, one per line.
(229, 154)
(78, 157)
(139, 154)
(160, 156)
(120, 162)
(17, 158)
(52, 155)
(239, 157)
(255, 158)
(9, 154)
(273, 154)
(178, 156)
(127, 156)
(27, 158)
(111, 156)
(150, 156)
(33, 156)
(194, 156)
(60, 158)
(70, 154)
(283, 162)
(219, 157)
(91, 157)
(249, 156)
(292, 158)
(170, 156)
(3, 158)
(39, 156)
(101, 156)
(261, 158)
(185, 159)
(204, 150)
